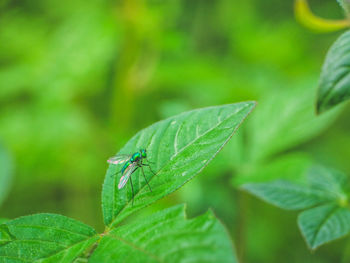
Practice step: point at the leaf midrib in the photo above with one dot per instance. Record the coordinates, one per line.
(323, 222)
(66, 248)
(182, 149)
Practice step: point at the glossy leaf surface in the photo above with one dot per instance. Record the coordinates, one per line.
(167, 236)
(178, 149)
(44, 238)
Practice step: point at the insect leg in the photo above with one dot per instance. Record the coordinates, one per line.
(132, 190)
(146, 164)
(145, 178)
(116, 173)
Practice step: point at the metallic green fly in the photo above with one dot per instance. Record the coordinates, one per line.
(131, 164)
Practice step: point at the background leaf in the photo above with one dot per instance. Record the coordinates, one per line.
(291, 166)
(329, 180)
(179, 147)
(45, 238)
(334, 85)
(345, 4)
(288, 195)
(326, 189)
(167, 236)
(5, 173)
(285, 119)
(325, 223)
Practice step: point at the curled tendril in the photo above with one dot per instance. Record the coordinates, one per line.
(304, 15)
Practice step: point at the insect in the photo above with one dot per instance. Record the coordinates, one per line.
(131, 164)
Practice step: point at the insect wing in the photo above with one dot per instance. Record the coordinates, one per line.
(128, 172)
(118, 159)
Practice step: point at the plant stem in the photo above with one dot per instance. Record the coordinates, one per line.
(304, 15)
(242, 203)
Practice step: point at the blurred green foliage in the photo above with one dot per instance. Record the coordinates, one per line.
(324, 193)
(79, 78)
(6, 173)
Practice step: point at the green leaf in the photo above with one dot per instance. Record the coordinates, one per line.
(345, 4)
(288, 195)
(325, 189)
(334, 85)
(167, 236)
(45, 238)
(324, 224)
(5, 173)
(3, 220)
(329, 180)
(180, 147)
(285, 119)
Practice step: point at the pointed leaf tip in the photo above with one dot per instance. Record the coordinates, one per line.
(178, 148)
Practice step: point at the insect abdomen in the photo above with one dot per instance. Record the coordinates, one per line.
(126, 165)
(135, 157)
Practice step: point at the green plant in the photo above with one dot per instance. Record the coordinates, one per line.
(323, 193)
(180, 147)
(269, 156)
(325, 197)
(345, 4)
(335, 78)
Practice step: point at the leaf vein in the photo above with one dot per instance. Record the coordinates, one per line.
(185, 147)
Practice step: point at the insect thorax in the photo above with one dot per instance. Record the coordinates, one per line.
(135, 157)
